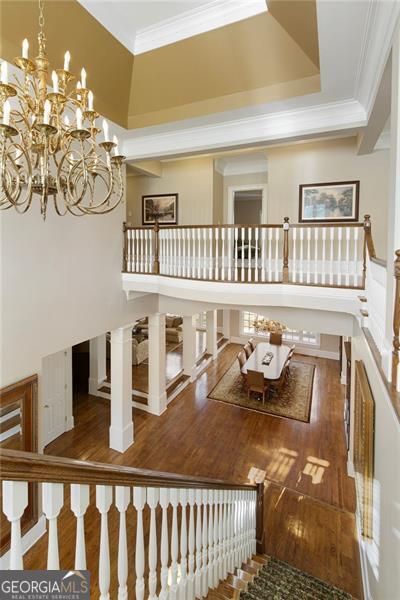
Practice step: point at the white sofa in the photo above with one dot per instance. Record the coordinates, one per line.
(140, 349)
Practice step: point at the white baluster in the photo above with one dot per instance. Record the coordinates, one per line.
(52, 501)
(231, 532)
(256, 256)
(139, 500)
(164, 550)
(356, 230)
(175, 251)
(331, 263)
(146, 258)
(224, 545)
(79, 503)
(308, 254)
(216, 254)
(199, 502)
(270, 234)
(152, 501)
(339, 261)
(277, 235)
(205, 230)
(316, 239)
(15, 500)
(229, 235)
(122, 499)
(142, 249)
(183, 251)
(263, 230)
(323, 255)
(174, 500)
(211, 262)
(103, 503)
(242, 256)
(221, 517)
(293, 270)
(223, 254)
(236, 242)
(348, 230)
(199, 254)
(301, 237)
(191, 546)
(183, 584)
(236, 534)
(204, 569)
(210, 570)
(249, 261)
(216, 533)
(170, 255)
(179, 255)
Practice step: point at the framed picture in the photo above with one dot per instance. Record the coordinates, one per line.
(329, 202)
(164, 207)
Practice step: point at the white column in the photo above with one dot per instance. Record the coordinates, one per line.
(97, 363)
(157, 364)
(393, 228)
(189, 346)
(211, 339)
(121, 429)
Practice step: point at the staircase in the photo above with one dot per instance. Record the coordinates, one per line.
(265, 578)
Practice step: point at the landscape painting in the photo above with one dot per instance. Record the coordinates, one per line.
(329, 202)
(163, 207)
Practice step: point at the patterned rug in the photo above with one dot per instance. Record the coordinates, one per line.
(293, 401)
(279, 581)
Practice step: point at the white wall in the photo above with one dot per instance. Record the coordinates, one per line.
(381, 556)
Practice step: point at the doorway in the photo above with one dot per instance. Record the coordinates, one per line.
(247, 204)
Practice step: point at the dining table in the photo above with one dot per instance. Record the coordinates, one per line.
(273, 370)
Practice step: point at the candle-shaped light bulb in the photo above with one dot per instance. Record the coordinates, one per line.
(46, 114)
(25, 48)
(83, 78)
(4, 72)
(6, 112)
(90, 100)
(67, 58)
(54, 78)
(78, 118)
(116, 147)
(78, 87)
(105, 129)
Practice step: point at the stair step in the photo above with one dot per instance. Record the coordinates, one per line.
(236, 582)
(244, 575)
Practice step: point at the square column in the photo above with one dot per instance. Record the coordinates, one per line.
(211, 334)
(121, 429)
(97, 363)
(189, 346)
(157, 364)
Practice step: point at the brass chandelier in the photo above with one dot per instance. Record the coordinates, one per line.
(48, 140)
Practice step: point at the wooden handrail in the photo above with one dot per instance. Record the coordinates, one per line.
(32, 467)
(249, 225)
(368, 236)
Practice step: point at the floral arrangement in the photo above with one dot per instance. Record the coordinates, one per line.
(268, 326)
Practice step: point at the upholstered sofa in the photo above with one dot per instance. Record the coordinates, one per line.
(173, 328)
(140, 349)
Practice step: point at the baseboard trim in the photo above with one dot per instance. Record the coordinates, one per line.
(363, 558)
(28, 540)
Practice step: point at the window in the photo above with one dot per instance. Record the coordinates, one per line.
(308, 338)
(201, 321)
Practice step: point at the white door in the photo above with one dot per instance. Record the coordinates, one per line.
(54, 394)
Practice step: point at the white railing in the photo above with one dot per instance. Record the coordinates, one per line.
(375, 287)
(211, 533)
(300, 254)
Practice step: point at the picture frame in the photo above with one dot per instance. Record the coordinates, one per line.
(163, 206)
(331, 202)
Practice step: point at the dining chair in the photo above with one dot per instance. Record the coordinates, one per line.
(278, 384)
(256, 383)
(252, 344)
(275, 339)
(247, 349)
(242, 360)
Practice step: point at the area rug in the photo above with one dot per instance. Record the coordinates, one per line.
(293, 401)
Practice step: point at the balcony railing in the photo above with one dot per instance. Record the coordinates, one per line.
(332, 255)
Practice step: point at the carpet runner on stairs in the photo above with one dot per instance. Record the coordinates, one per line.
(276, 580)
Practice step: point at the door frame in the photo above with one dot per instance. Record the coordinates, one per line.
(243, 188)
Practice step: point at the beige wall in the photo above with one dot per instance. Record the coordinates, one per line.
(334, 160)
(192, 179)
(218, 192)
(245, 179)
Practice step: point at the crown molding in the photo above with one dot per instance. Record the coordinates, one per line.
(227, 167)
(212, 15)
(326, 118)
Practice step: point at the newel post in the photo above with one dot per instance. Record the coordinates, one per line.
(125, 251)
(396, 321)
(285, 271)
(156, 263)
(260, 543)
(368, 241)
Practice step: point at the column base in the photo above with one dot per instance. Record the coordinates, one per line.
(94, 385)
(157, 404)
(192, 373)
(121, 439)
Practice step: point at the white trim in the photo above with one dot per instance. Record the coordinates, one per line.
(28, 540)
(333, 117)
(228, 167)
(242, 188)
(195, 21)
(363, 555)
(10, 415)
(10, 432)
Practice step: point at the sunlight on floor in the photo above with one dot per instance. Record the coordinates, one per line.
(256, 475)
(282, 463)
(315, 468)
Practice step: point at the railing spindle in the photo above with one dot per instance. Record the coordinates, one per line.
(308, 255)
(210, 569)
(205, 253)
(174, 500)
(122, 499)
(316, 241)
(139, 501)
(356, 237)
(236, 241)
(249, 260)
(339, 261)
(15, 501)
(204, 569)
(103, 503)
(263, 254)
(183, 584)
(79, 503)
(242, 255)
(199, 539)
(323, 255)
(229, 233)
(331, 263)
(293, 270)
(256, 255)
(52, 502)
(152, 501)
(277, 235)
(191, 546)
(216, 253)
(164, 550)
(223, 254)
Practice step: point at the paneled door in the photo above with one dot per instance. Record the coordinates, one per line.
(54, 393)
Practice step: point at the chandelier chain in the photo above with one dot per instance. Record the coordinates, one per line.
(41, 18)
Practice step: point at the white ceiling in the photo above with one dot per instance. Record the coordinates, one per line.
(142, 25)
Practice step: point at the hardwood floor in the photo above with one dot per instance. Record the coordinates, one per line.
(309, 499)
